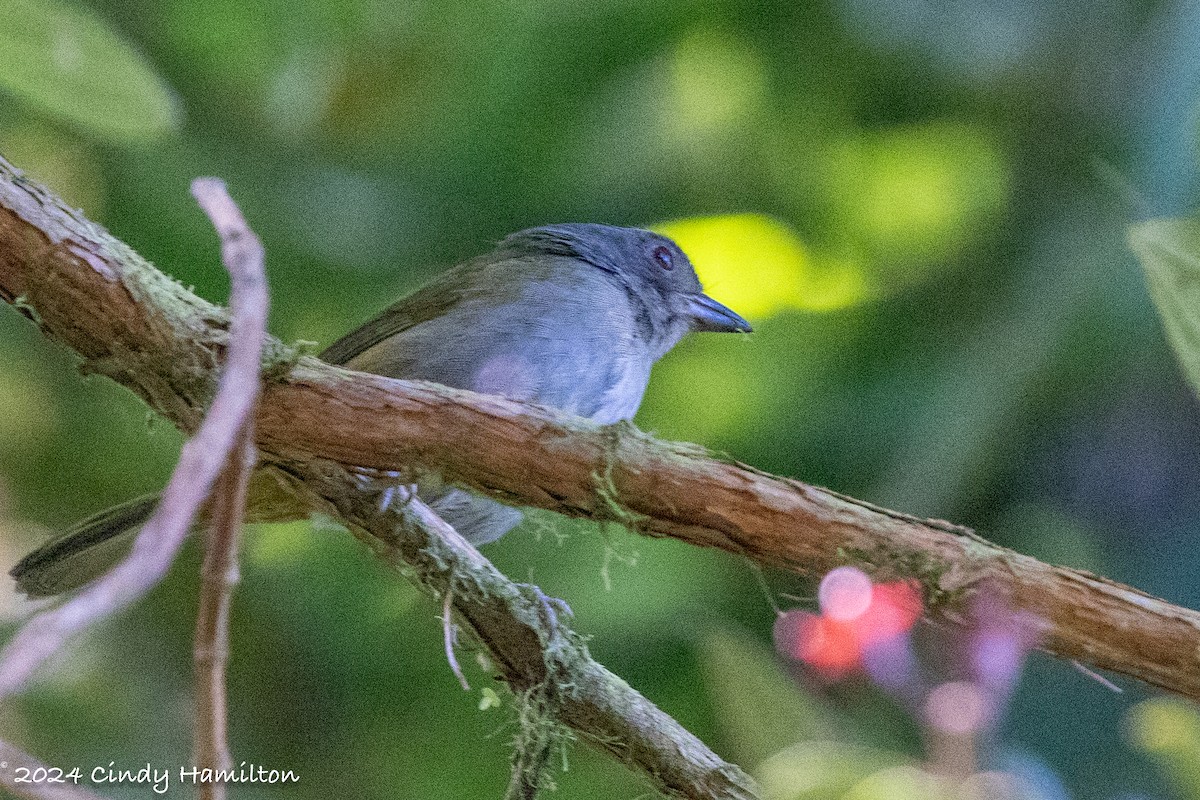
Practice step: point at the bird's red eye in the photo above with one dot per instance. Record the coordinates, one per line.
(663, 256)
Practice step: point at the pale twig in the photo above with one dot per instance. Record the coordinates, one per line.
(242, 254)
(95, 295)
(1098, 678)
(129, 321)
(123, 305)
(159, 541)
(448, 639)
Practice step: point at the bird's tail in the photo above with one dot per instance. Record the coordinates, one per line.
(97, 544)
(85, 552)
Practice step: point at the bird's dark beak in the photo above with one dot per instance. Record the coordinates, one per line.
(710, 316)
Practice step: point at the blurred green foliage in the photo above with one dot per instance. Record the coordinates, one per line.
(67, 62)
(1169, 250)
(920, 206)
(1169, 730)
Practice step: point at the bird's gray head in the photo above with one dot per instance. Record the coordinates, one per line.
(657, 274)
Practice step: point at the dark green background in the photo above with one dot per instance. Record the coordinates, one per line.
(961, 175)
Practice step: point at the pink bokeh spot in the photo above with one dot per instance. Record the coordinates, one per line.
(855, 617)
(844, 593)
(958, 708)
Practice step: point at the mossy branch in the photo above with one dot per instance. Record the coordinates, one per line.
(60, 259)
(152, 335)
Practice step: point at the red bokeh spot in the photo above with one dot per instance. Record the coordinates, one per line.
(835, 646)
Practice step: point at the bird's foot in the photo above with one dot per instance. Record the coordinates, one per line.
(551, 607)
(393, 494)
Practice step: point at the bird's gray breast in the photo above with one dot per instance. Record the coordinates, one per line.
(567, 339)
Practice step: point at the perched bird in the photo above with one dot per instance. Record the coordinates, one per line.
(571, 316)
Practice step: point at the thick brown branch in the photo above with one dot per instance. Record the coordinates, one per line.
(538, 457)
(525, 635)
(532, 649)
(67, 269)
(159, 541)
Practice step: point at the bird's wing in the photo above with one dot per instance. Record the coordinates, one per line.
(429, 302)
